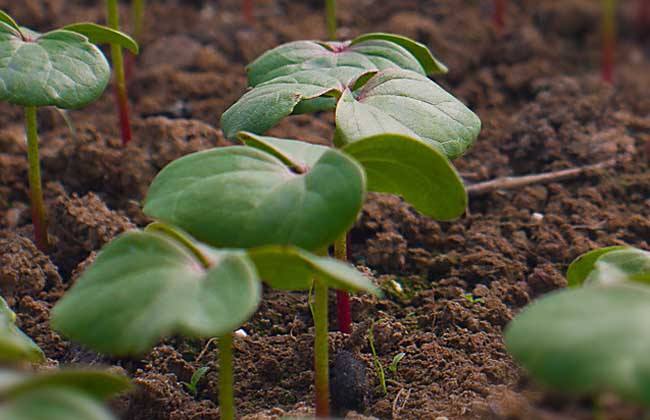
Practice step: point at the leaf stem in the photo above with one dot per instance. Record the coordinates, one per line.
(121, 96)
(609, 40)
(321, 349)
(343, 311)
(138, 7)
(226, 393)
(498, 16)
(247, 11)
(39, 219)
(330, 15)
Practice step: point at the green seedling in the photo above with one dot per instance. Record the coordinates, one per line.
(173, 284)
(472, 299)
(395, 363)
(379, 367)
(121, 96)
(399, 125)
(594, 338)
(193, 384)
(61, 68)
(53, 395)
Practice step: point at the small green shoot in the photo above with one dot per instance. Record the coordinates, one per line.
(395, 363)
(379, 367)
(472, 299)
(192, 385)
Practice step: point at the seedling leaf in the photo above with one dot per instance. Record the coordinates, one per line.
(15, 346)
(241, 197)
(5, 18)
(628, 264)
(144, 286)
(291, 268)
(429, 63)
(59, 68)
(413, 169)
(587, 340)
(53, 404)
(100, 34)
(403, 102)
(296, 154)
(580, 268)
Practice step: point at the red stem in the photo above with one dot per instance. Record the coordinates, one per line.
(643, 17)
(247, 12)
(123, 109)
(343, 311)
(129, 66)
(498, 18)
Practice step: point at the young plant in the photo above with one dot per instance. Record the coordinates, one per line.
(595, 338)
(54, 394)
(398, 124)
(193, 384)
(121, 96)
(61, 68)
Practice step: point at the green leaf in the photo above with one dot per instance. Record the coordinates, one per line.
(580, 268)
(429, 63)
(587, 340)
(628, 264)
(100, 34)
(291, 268)
(240, 197)
(93, 383)
(403, 102)
(15, 346)
(264, 106)
(298, 155)
(145, 285)
(53, 404)
(60, 68)
(419, 173)
(8, 20)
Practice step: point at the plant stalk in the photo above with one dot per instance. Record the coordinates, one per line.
(121, 96)
(247, 12)
(343, 311)
(498, 16)
(609, 40)
(330, 15)
(226, 381)
(138, 7)
(39, 219)
(321, 350)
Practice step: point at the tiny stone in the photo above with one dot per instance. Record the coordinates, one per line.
(537, 217)
(241, 333)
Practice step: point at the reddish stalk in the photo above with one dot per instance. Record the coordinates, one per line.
(122, 102)
(609, 40)
(247, 12)
(121, 97)
(498, 15)
(343, 310)
(643, 17)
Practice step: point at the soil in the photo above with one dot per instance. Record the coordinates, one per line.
(452, 286)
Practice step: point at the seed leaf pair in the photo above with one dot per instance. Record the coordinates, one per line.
(146, 285)
(58, 395)
(594, 338)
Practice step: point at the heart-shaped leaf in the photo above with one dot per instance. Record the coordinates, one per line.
(345, 61)
(582, 266)
(397, 101)
(100, 34)
(144, 286)
(15, 346)
(419, 173)
(59, 68)
(92, 383)
(291, 268)
(240, 197)
(621, 265)
(587, 340)
(262, 107)
(53, 404)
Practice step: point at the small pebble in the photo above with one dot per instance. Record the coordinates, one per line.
(241, 333)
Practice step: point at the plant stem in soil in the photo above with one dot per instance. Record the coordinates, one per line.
(248, 7)
(609, 40)
(498, 16)
(321, 350)
(226, 394)
(330, 15)
(343, 311)
(121, 97)
(35, 186)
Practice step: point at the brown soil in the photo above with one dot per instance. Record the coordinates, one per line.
(543, 108)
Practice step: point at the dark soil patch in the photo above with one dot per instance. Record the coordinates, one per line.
(543, 108)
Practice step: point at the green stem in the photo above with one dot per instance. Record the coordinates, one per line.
(120, 78)
(343, 310)
(138, 18)
(321, 349)
(226, 394)
(330, 13)
(34, 174)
